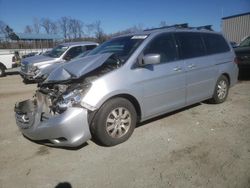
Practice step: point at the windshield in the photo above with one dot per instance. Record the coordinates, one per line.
(245, 42)
(57, 51)
(122, 47)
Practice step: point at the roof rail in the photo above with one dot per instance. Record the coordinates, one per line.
(206, 27)
(183, 26)
(179, 26)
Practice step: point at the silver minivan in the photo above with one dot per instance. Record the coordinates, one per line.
(126, 80)
(30, 66)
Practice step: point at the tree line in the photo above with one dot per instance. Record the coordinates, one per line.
(69, 28)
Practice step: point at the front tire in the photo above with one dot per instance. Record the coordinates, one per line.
(2, 71)
(221, 90)
(114, 123)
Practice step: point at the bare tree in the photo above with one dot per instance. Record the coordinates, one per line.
(72, 27)
(54, 28)
(46, 23)
(99, 33)
(75, 28)
(28, 29)
(36, 25)
(79, 28)
(49, 26)
(64, 26)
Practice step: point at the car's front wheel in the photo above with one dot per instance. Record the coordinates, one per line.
(114, 123)
(2, 71)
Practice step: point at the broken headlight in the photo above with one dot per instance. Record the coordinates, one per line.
(72, 98)
(32, 69)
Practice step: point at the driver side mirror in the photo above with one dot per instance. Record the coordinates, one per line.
(151, 59)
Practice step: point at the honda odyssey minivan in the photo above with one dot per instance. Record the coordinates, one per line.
(126, 80)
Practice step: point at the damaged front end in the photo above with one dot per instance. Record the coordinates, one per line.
(57, 114)
(53, 120)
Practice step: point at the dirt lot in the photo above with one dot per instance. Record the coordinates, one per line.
(200, 146)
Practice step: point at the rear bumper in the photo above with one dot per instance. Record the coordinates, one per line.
(69, 129)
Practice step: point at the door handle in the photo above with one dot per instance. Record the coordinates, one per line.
(191, 66)
(177, 69)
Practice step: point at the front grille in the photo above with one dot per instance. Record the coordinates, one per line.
(24, 67)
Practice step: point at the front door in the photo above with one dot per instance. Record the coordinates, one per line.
(164, 83)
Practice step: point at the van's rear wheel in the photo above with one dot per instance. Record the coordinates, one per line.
(114, 123)
(221, 90)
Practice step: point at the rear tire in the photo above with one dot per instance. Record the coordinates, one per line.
(114, 123)
(221, 90)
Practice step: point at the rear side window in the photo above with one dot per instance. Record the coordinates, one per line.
(190, 45)
(165, 46)
(215, 43)
(90, 47)
(73, 52)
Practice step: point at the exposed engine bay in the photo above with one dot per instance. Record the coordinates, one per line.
(68, 93)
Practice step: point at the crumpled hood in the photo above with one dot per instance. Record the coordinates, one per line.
(77, 68)
(47, 70)
(37, 59)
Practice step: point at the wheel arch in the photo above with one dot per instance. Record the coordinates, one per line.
(227, 76)
(131, 99)
(2, 65)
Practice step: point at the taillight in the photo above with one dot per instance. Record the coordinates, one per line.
(236, 60)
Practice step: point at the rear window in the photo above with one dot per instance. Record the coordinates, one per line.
(215, 43)
(190, 45)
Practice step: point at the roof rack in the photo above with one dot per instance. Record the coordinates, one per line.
(183, 26)
(179, 26)
(206, 27)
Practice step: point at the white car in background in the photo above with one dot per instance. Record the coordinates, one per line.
(30, 66)
(5, 61)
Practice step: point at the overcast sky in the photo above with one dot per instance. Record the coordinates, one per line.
(120, 14)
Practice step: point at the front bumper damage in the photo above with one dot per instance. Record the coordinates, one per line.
(27, 76)
(68, 129)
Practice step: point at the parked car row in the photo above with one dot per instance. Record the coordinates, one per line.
(12, 58)
(31, 67)
(126, 80)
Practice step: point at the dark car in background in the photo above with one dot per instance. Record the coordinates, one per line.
(243, 52)
(243, 56)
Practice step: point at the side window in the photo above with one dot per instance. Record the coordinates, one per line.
(90, 47)
(163, 45)
(215, 43)
(190, 45)
(73, 52)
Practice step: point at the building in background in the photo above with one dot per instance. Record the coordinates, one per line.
(236, 27)
(29, 41)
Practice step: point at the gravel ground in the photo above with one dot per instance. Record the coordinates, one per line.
(200, 146)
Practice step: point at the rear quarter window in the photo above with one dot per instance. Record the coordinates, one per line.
(215, 43)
